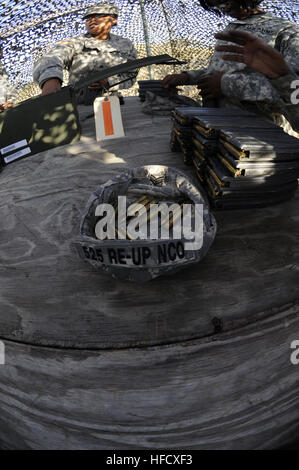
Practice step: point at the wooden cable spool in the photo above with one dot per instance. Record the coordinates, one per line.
(198, 360)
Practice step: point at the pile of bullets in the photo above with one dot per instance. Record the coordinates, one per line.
(241, 159)
(151, 206)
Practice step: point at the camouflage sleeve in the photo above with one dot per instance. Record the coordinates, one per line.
(248, 86)
(8, 91)
(288, 45)
(52, 64)
(288, 88)
(11, 93)
(130, 77)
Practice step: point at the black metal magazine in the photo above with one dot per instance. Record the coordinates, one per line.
(227, 179)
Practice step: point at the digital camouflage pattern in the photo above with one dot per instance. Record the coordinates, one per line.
(286, 87)
(84, 55)
(242, 86)
(101, 9)
(6, 88)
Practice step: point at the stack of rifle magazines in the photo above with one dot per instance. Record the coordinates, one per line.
(242, 160)
(181, 134)
(183, 123)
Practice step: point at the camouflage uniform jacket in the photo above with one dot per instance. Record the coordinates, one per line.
(6, 88)
(84, 55)
(288, 89)
(242, 86)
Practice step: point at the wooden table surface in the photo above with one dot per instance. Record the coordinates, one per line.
(93, 363)
(51, 297)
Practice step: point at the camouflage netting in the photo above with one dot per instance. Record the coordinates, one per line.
(180, 28)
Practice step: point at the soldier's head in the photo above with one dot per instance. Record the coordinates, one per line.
(236, 8)
(100, 19)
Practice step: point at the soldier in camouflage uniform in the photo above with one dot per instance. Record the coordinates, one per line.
(262, 58)
(7, 92)
(233, 84)
(86, 54)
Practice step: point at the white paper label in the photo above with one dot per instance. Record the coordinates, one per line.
(108, 119)
(15, 146)
(16, 155)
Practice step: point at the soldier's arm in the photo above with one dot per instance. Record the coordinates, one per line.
(130, 77)
(288, 45)
(268, 62)
(11, 94)
(288, 88)
(258, 55)
(248, 86)
(51, 65)
(287, 84)
(8, 90)
(187, 77)
(254, 52)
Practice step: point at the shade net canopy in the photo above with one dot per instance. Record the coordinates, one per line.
(181, 28)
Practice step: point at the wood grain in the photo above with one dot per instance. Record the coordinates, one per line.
(235, 390)
(93, 363)
(51, 297)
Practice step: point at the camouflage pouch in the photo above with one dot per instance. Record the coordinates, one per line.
(142, 259)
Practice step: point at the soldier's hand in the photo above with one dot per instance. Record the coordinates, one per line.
(51, 85)
(100, 85)
(171, 81)
(210, 86)
(5, 105)
(253, 52)
(8, 104)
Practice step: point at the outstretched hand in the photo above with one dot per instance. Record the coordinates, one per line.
(253, 52)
